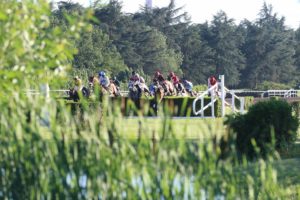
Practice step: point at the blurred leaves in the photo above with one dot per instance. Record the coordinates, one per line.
(30, 50)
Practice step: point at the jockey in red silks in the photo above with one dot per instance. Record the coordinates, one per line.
(174, 78)
(176, 82)
(212, 81)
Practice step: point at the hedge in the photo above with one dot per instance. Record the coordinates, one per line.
(172, 106)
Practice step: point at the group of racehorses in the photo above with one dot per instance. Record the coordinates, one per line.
(136, 90)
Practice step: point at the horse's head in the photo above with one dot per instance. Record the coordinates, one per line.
(91, 78)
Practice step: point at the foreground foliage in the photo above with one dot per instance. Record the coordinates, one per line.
(46, 152)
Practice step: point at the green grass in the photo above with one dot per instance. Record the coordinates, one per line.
(288, 171)
(291, 151)
(182, 128)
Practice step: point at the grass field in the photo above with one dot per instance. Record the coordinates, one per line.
(181, 128)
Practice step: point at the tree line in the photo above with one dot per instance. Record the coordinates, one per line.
(248, 54)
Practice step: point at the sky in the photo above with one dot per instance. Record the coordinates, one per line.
(203, 10)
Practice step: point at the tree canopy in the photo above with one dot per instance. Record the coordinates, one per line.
(164, 39)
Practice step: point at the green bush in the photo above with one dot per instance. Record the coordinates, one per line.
(263, 119)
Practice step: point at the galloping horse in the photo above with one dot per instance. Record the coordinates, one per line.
(169, 88)
(137, 89)
(181, 91)
(93, 81)
(111, 89)
(157, 91)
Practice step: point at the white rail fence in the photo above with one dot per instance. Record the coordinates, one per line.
(281, 93)
(214, 94)
(217, 91)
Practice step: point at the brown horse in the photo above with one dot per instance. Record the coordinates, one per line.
(111, 90)
(169, 88)
(158, 91)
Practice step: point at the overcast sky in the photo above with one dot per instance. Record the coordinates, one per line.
(203, 10)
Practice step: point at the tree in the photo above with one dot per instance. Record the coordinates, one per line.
(96, 51)
(144, 48)
(225, 39)
(269, 49)
(156, 55)
(169, 20)
(198, 63)
(297, 56)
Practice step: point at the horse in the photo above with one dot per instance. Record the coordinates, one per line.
(136, 90)
(93, 81)
(180, 90)
(169, 88)
(157, 90)
(112, 89)
(74, 94)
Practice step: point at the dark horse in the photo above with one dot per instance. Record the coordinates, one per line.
(76, 94)
(136, 90)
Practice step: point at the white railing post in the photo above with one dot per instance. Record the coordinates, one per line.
(212, 97)
(242, 105)
(202, 105)
(222, 95)
(232, 101)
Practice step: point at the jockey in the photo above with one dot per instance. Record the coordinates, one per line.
(77, 84)
(175, 80)
(159, 77)
(104, 80)
(188, 85)
(115, 81)
(136, 78)
(212, 81)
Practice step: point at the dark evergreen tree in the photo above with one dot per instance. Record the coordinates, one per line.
(225, 39)
(269, 49)
(169, 20)
(297, 58)
(163, 39)
(198, 57)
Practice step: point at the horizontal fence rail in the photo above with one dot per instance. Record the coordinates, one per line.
(261, 93)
